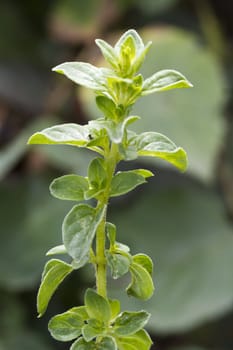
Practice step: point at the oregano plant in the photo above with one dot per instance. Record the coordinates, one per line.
(87, 235)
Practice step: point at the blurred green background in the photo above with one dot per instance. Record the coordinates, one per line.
(184, 222)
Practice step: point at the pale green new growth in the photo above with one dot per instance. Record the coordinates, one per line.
(87, 236)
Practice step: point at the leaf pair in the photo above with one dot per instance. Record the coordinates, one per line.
(151, 144)
(99, 325)
(79, 229)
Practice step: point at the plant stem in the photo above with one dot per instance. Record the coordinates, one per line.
(101, 271)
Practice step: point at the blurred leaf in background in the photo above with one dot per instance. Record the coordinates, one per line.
(191, 243)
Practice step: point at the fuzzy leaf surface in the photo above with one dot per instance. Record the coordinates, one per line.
(96, 176)
(89, 332)
(59, 249)
(141, 285)
(164, 80)
(97, 306)
(84, 74)
(154, 144)
(66, 326)
(78, 229)
(115, 130)
(108, 52)
(118, 263)
(125, 181)
(70, 134)
(69, 187)
(128, 323)
(54, 273)
(140, 340)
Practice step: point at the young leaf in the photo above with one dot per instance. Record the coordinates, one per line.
(124, 182)
(145, 261)
(107, 106)
(118, 263)
(121, 248)
(89, 332)
(153, 144)
(54, 273)
(140, 340)
(84, 74)
(115, 129)
(141, 285)
(163, 80)
(131, 33)
(115, 307)
(97, 306)
(82, 344)
(97, 175)
(59, 249)
(108, 52)
(128, 323)
(111, 233)
(69, 187)
(66, 326)
(78, 229)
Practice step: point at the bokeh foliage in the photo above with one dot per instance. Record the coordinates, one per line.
(183, 222)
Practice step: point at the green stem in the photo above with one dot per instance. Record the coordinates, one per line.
(101, 270)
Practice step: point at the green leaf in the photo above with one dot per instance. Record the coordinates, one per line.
(128, 323)
(124, 182)
(143, 172)
(145, 261)
(66, 326)
(97, 176)
(69, 134)
(131, 33)
(107, 106)
(77, 264)
(69, 187)
(153, 144)
(140, 340)
(107, 343)
(118, 263)
(141, 285)
(54, 273)
(84, 74)
(82, 344)
(108, 52)
(97, 306)
(121, 248)
(78, 229)
(115, 129)
(90, 332)
(163, 80)
(111, 233)
(115, 307)
(59, 249)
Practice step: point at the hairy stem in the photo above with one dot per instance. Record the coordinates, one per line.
(101, 270)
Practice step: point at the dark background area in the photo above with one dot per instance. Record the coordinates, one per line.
(183, 221)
